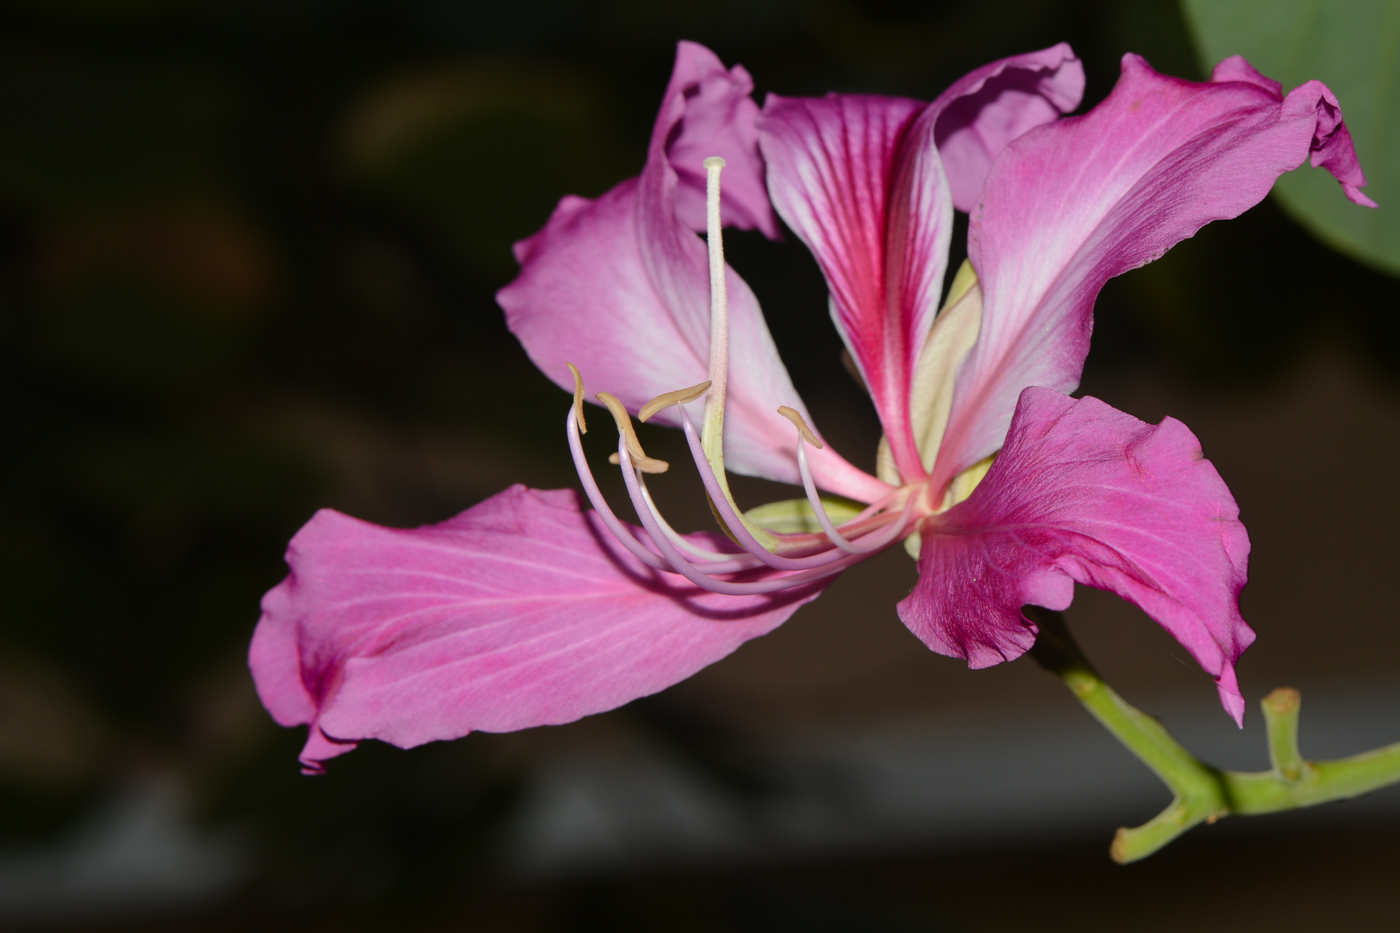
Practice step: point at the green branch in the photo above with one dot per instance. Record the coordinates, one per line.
(1204, 794)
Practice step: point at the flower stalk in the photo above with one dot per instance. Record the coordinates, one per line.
(1202, 793)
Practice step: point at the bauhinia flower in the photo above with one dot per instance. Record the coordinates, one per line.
(531, 609)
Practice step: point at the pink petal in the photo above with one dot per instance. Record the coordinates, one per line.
(987, 108)
(859, 180)
(1083, 493)
(521, 611)
(620, 287)
(1071, 204)
(866, 193)
(714, 116)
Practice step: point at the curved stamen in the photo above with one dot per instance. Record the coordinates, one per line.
(633, 478)
(722, 563)
(619, 530)
(727, 513)
(679, 540)
(870, 542)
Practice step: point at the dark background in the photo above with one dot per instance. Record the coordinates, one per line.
(248, 253)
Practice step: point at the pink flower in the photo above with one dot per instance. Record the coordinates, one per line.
(528, 609)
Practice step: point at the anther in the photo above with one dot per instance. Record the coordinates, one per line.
(578, 399)
(624, 427)
(667, 399)
(801, 424)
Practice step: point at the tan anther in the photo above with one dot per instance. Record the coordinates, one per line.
(624, 427)
(801, 425)
(667, 399)
(578, 398)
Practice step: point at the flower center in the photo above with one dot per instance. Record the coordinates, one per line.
(768, 561)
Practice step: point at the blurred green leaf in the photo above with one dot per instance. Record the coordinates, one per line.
(1354, 48)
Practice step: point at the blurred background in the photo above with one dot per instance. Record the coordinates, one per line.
(248, 253)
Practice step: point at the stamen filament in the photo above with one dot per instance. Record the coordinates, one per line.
(633, 477)
(730, 563)
(727, 514)
(600, 504)
(678, 539)
(869, 543)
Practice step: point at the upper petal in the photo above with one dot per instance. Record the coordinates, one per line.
(521, 611)
(707, 111)
(1073, 203)
(985, 109)
(1083, 493)
(620, 287)
(858, 180)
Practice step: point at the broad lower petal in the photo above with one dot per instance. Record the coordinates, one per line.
(620, 287)
(987, 108)
(1071, 204)
(1083, 493)
(521, 611)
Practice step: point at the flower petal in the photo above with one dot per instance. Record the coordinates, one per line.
(1083, 493)
(521, 611)
(858, 180)
(987, 108)
(1069, 205)
(620, 287)
(707, 111)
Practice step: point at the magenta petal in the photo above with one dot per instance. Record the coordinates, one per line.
(620, 287)
(866, 193)
(521, 611)
(707, 111)
(1071, 204)
(987, 108)
(860, 180)
(1083, 493)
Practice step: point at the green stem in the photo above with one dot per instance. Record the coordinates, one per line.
(1204, 794)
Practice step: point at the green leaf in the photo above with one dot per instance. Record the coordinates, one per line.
(1353, 48)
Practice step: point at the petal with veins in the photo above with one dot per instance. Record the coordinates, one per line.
(1069, 205)
(620, 286)
(1083, 493)
(521, 611)
(987, 108)
(858, 179)
(717, 118)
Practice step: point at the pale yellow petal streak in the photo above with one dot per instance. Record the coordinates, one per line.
(953, 333)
